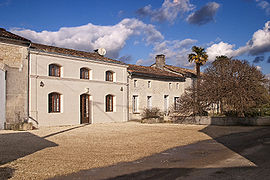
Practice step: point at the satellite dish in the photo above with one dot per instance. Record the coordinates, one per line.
(101, 51)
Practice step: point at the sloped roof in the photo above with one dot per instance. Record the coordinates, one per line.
(9, 35)
(184, 71)
(153, 72)
(72, 52)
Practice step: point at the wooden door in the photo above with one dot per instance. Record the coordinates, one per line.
(84, 106)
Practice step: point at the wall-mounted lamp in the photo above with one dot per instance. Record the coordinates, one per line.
(41, 84)
(87, 90)
(121, 89)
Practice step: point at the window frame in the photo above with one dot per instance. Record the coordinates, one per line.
(149, 84)
(83, 71)
(135, 104)
(54, 70)
(109, 103)
(149, 102)
(109, 76)
(54, 102)
(135, 83)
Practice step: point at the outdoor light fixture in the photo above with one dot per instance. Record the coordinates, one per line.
(41, 84)
(121, 89)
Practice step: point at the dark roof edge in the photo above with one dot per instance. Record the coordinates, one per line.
(69, 55)
(156, 76)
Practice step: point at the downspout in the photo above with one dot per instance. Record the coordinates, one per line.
(28, 82)
(128, 96)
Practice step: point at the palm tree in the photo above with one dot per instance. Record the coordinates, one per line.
(199, 57)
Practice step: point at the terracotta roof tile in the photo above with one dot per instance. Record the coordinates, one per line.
(9, 35)
(72, 52)
(184, 71)
(152, 71)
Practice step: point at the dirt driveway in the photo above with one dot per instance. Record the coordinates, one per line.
(58, 151)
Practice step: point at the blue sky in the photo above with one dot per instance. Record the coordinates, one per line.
(135, 31)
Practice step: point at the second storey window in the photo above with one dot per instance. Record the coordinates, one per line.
(109, 76)
(109, 103)
(84, 73)
(54, 102)
(149, 84)
(135, 83)
(54, 70)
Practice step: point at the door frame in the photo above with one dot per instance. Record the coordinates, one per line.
(89, 108)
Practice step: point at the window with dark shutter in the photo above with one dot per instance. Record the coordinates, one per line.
(109, 103)
(54, 102)
(84, 73)
(54, 70)
(109, 76)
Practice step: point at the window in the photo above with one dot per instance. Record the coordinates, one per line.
(135, 83)
(109, 76)
(170, 85)
(149, 84)
(54, 102)
(177, 85)
(109, 103)
(176, 103)
(54, 70)
(135, 103)
(166, 104)
(149, 102)
(84, 73)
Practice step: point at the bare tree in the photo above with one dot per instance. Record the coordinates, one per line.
(232, 85)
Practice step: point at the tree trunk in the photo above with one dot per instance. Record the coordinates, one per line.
(198, 71)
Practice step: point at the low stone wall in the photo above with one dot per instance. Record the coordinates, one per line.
(222, 121)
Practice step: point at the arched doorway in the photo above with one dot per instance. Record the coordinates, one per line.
(85, 108)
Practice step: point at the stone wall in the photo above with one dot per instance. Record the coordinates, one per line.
(15, 59)
(223, 121)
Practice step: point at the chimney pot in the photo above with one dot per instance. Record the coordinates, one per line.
(160, 61)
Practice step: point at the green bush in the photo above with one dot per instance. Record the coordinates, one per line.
(151, 113)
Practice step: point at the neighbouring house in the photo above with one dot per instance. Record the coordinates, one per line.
(14, 60)
(52, 86)
(158, 85)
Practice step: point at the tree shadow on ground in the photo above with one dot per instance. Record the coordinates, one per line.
(194, 161)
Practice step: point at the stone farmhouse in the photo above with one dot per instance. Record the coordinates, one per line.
(52, 86)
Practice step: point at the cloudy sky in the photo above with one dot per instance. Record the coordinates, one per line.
(135, 31)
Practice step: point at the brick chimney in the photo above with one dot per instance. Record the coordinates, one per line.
(160, 61)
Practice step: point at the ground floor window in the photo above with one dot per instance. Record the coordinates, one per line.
(54, 102)
(176, 103)
(135, 103)
(149, 102)
(109, 103)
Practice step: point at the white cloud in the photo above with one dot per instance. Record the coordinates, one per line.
(259, 68)
(220, 49)
(176, 52)
(89, 37)
(267, 76)
(168, 11)
(259, 44)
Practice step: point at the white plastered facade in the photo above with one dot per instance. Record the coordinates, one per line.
(158, 90)
(70, 86)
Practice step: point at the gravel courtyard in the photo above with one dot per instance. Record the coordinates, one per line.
(56, 151)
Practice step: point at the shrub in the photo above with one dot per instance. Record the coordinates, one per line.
(151, 113)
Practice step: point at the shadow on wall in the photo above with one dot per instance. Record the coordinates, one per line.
(190, 161)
